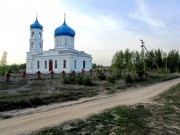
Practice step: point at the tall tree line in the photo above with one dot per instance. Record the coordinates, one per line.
(134, 60)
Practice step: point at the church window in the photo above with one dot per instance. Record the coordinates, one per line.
(38, 64)
(65, 42)
(39, 34)
(64, 64)
(32, 44)
(45, 64)
(40, 45)
(55, 63)
(30, 65)
(32, 33)
(84, 64)
(75, 64)
(60, 42)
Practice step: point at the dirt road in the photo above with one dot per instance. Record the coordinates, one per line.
(35, 119)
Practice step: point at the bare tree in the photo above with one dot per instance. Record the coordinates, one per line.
(3, 61)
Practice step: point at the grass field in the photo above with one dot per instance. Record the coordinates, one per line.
(24, 94)
(159, 117)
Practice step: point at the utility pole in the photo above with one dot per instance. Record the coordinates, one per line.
(142, 42)
(143, 46)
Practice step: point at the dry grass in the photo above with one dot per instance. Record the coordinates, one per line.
(160, 118)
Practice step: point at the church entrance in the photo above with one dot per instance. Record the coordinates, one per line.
(50, 65)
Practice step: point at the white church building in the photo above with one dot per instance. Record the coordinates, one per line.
(63, 57)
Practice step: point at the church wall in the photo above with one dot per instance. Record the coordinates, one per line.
(70, 64)
(63, 42)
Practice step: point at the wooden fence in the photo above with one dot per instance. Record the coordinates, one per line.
(24, 76)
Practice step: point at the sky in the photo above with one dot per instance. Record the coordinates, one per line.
(102, 27)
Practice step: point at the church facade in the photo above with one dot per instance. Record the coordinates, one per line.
(63, 57)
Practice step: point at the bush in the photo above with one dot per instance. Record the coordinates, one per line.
(68, 80)
(129, 79)
(87, 81)
(112, 79)
(141, 79)
(80, 80)
(117, 74)
(101, 76)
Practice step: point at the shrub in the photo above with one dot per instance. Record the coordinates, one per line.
(112, 79)
(129, 79)
(72, 73)
(141, 79)
(101, 76)
(80, 80)
(117, 74)
(87, 81)
(68, 80)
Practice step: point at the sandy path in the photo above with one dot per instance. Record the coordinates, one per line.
(30, 122)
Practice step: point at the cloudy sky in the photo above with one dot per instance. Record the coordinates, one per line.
(102, 26)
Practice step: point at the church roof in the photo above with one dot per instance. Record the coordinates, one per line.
(36, 24)
(76, 52)
(64, 30)
(67, 52)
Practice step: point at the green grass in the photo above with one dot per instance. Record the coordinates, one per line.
(40, 92)
(11, 85)
(162, 77)
(38, 98)
(119, 120)
(142, 119)
(47, 91)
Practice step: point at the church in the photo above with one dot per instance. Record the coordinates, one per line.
(63, 57)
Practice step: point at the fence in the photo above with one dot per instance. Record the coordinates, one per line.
(24, 76)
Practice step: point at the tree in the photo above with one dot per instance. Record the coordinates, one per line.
(158, 58)
(138, 63)
(127, 57)
(3, 61)
(173, 60)
(118, 60)
(133, 60)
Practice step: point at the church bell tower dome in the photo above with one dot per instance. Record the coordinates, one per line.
(36, 25)
(64, 30)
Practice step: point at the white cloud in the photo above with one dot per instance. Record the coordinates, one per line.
(142, 14)
(99, 35)
(16, 17)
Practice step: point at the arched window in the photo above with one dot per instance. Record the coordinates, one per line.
(75, 64)
(45, 64)
(40, 34)
(84, 64)
(55, 63)
(60, 42)
(30, 65)
(66, 42)
(40, 45)
(32, 33)
(38, 65)
(64, 64)
(32, 44)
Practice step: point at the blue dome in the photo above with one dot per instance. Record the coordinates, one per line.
(36, 24)
(64, 30)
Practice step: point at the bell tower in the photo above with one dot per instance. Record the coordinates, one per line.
(36, 37)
